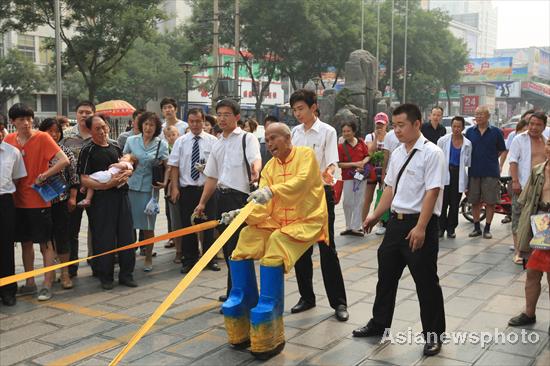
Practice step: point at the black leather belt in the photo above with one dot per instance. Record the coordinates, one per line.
(402, 216)
(229, 191)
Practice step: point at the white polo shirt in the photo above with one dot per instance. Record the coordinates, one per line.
(520, 153)
(390, 141)
(226, 161)
(322, 138)
(12, 167)
(546, 132)
(180, 156)
(425, 171)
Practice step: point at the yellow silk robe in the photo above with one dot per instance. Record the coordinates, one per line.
(298, 207)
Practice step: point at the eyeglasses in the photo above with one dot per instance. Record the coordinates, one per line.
(220, 115)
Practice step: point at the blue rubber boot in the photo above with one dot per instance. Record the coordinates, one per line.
(243, 296)
(267, 329)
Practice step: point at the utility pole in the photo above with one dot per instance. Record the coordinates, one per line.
(405, 58)
(391, 51)
(215, 56)
(237, 48)
(58, 82)
(377, 43)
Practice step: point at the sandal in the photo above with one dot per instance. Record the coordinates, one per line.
(517, 259)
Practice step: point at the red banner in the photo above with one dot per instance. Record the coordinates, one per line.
(469, 104)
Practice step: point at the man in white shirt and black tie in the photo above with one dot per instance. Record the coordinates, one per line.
(186, 162)
(414, 191)
(322, 138)
(233, 165)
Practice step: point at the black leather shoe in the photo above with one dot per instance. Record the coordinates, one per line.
(432, 348)
(302, 305)
(128, 283)
(222, 298)
(451, 235)
(369, 330)
(475, 233)
(107, 285)
(441, 233)
(186, 266)
(522, 319)
(8, 300)
(341, 313)
(213, 266)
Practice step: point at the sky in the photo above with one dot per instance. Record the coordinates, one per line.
(523, 23)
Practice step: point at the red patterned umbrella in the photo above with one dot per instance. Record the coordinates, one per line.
(115, 108)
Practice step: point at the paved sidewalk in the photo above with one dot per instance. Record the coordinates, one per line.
(88, 326)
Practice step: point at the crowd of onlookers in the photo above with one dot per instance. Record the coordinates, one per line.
(119, 184)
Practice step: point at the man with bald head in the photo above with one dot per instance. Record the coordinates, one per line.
(483, 186)
(290, 215)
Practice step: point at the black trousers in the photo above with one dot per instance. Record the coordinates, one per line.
(60, 218)
(448, 221)
(75, 219)
(112, 228)
(330, 265)
(228, 201)
(189, 199)
(7, 237)
(393, 255)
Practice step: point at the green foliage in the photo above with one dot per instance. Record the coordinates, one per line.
(98, 34)
(377, 158)
(18, 76)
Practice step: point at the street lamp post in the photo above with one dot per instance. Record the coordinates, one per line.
(316, 81)
(186, 67)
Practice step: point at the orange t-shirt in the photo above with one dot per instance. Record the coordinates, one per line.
(37, 153)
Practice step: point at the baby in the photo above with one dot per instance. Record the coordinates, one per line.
(126, 162)
(171, 133)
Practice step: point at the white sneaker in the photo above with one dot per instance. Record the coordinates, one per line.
(381, 230)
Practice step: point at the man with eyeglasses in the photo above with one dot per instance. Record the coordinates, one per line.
(233, 165)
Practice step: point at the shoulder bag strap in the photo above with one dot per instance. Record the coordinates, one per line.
(244, 157)
(403, 168)
(346, 151)
(158, 148)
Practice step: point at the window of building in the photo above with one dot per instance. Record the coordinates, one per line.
(29, 100)
(45, 55)
(471, 90)
(48, 102)
(25, 44)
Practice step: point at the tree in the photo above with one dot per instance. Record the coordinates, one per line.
(98, 34)
(18, 76)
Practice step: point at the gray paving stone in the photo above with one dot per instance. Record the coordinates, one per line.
(407, 310)
(469, 249)
(21, 352)
(69, 319)
(76, 333)
(146, 346)
(440, 361)
(349, 351)
(191, 307)
(200, 344)
(491, 358)
(497, 278)
(160, 358)
(480, 291)
(138, 297)
(360, 313)
(504, 304)
(308, 319)
(145, 309)
(457, 280)
(489, 258)
(523, 347)
(462, 351)
(454, 259)
(292, 355)
(485, 321)
(472, 268)
(399, 354)
(461, 307)
(24, 333)
(225, 356)
(198, 324)
(323, 334)
(58, 354)
(28, 317)
(543, 357)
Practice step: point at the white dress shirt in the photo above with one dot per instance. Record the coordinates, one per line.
(12, 167)
(425, 171)
(180, 156)
(444, 144)
(390, 141)
(510, 139)
(226, 161)
(520, 153)
(322, 138)
(546, 133)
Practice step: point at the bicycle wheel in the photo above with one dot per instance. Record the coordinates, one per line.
(466, 210)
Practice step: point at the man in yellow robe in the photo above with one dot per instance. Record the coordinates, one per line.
(289, 217)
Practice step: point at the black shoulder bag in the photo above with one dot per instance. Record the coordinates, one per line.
(252, 185)
(158, 167)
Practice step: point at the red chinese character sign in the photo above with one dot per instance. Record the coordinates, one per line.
(469, 104)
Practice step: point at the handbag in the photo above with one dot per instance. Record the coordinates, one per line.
(386, 216)
(540, 224)
(337, 189)
(158, 168)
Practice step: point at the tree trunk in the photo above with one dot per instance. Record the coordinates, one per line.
(448, 101)
(92, 90)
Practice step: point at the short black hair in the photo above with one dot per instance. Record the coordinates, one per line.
(217, 129)
(196, 111)
(2, 119)
(459, 118)
(150, 116)
(307, 96)
(211, 119)
(438, 107)
(411, 110)
(270, 118)
(47, 123)
(235, 107)
(350, 124)
(86, 103)
(90, 119)
(529, 111)
(541, 116)
(137, 112)
(20, 110)
(168, 100)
